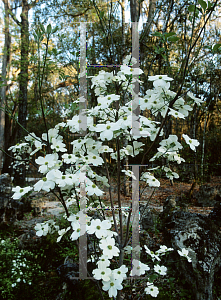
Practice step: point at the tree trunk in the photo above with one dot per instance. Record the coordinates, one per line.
(23, 76)
(5, 63)
(134, 10)
(19, 178)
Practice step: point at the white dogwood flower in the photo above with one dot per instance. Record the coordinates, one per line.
(109, 248)
(138, 268)
(162, 270)
(112, 286)
(100, 228)
(19, 192)
(184, 253)
(191, 142)
(151, 290)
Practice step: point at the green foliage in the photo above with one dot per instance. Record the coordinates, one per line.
(19, 270)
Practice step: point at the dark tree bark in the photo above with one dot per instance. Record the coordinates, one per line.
(134, 10)
(19, 176)
(23, 76)
(5, 63)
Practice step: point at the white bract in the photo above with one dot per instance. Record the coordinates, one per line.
(19, 192)
(138, 268)
(191, 142)
(151, 290)
(184, 252)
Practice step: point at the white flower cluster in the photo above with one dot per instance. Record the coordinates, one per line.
(110, 120)
(42, 229)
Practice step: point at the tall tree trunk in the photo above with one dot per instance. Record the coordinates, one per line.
(23, 76)
(19, 178)
(5, 63)
(134, 10)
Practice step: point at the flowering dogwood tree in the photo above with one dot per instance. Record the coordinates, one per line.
(108, 124)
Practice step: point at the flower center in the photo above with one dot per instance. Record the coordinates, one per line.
(109, 98)
(94, 157)
(160, 77)
(98, 227)
(78, 230)
(79, 121)
(102, 273)
(44, 179)
(69, 156)
(108, 127)
(63, 177)
(109, 247)
(93, 186)
(21, 190)
(111, 284)
(46, 163)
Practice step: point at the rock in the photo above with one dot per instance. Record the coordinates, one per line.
(7, 212)
(200, 235)
(68, 273)
(29, 240)
(149, 218)
(215, 214)
(207, 194)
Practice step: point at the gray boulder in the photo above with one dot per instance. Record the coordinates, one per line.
(201, 236)
(206, 196)
(7, 207)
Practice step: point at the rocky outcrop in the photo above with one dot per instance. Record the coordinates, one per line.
(201, 236)
(206, 196)
(8, 207)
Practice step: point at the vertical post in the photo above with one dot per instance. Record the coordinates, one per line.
(82, 80)
(135, 213)
(83, 129)
(136, 89)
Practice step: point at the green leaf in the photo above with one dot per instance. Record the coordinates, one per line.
(173, 39)
(55, 29)
(216, 47)
(49, 29)
(209, 5)
(191, 8)
(42, 27)
(157, 34)
(168, 34)
(35, 37)
(101, 14)
(203, 4)
(54, 50)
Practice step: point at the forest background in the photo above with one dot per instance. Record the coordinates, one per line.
(39, 64)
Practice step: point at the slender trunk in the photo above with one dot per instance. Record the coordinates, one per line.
(19, 178)
(203, 146)
(23, 76)
(125, 142)
(134, 10)
(5, 64)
